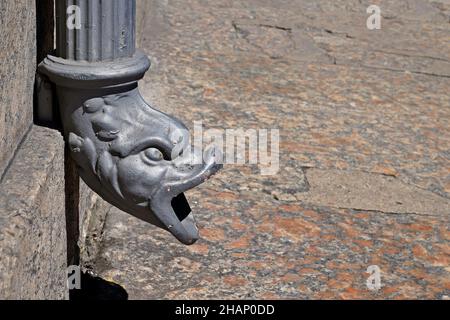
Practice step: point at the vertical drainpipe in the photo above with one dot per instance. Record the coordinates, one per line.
(131, 154)
(107, 29)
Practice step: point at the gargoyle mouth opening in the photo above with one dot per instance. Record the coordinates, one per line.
(181, 206)
(171, 207)
(176, 217)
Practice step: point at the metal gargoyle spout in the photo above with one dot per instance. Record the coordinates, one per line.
(126, 151)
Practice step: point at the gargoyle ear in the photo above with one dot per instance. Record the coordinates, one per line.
(83, 151)
(75, 142)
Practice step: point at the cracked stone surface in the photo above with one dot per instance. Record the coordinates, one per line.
(364, 157)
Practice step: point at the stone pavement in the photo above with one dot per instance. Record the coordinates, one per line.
(364, 176)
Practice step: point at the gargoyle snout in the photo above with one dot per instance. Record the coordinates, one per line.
(170, 205)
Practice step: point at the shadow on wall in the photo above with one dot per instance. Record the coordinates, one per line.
(95, 288)
(45, 111)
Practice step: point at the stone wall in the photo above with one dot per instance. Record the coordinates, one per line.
(17, 68)
(32, 220)
(32, 206)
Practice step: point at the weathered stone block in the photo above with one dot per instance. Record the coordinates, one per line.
(32, 220)
(17, 69)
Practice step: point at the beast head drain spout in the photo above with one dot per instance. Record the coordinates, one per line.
(123, 147)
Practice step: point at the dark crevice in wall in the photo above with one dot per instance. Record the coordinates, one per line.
(72, 190)
(45, 26)
(45, 45)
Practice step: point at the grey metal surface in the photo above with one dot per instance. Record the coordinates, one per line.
(123, 147)
(107, 29)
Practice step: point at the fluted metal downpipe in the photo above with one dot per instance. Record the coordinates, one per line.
(122, 146)
(106, 32)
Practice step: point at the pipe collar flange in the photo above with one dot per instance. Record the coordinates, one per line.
(88, 75)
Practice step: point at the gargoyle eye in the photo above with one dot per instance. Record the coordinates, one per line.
(154, 154)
